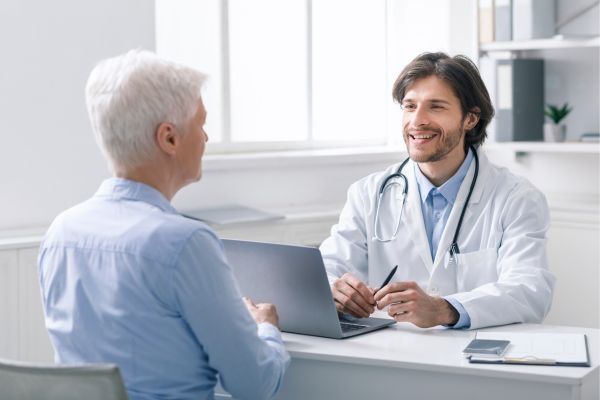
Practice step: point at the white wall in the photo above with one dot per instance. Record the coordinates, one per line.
(49, 159)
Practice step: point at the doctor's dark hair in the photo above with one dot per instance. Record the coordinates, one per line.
(462, 75)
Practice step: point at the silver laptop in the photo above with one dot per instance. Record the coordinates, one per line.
(293, 278)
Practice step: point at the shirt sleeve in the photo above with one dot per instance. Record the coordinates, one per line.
(464, 321)
(249, 358)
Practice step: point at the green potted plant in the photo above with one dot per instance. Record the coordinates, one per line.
(555, 131)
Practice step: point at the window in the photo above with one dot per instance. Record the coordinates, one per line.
(298, 73)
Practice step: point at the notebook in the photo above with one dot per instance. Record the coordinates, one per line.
(565, 349)
(293, 278)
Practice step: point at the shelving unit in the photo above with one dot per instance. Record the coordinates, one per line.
(569, 59)
(524, 148)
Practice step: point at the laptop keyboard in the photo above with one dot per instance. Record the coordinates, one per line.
(348, 327)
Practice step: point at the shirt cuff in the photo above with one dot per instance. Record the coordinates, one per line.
(269, 331)
(464, 321)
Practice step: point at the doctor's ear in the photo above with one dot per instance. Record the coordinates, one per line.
(471, 119)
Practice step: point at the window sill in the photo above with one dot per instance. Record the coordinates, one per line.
(302, 158)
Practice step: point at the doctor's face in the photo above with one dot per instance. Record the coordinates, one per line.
(432, 121)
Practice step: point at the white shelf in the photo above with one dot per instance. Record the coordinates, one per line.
(545, 147)
(541, 44)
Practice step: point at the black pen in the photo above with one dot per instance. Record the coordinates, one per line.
(389, 278)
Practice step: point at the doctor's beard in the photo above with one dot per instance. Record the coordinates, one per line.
(445, 144)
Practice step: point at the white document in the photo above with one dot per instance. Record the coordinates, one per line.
(539, 348)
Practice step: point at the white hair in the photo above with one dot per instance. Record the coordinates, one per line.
(130, 95)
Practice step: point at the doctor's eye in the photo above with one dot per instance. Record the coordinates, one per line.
(408, 107)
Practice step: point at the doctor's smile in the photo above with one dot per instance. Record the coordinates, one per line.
(422, 136)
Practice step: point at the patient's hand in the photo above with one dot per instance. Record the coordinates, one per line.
(262, 312)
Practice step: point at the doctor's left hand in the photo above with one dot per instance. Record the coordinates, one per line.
(409, 303)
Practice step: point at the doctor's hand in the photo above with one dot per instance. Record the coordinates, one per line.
(409, 303)
(352, 296)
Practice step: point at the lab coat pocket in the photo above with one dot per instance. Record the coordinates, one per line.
(475, 269)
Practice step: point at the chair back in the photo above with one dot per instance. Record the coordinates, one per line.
(60, 382)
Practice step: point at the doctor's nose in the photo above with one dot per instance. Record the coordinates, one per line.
(419, 117)
(416, 118)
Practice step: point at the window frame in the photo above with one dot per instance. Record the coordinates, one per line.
(226, 145)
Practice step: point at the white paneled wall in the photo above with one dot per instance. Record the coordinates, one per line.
(33, 341)
(9, 329)
(573, 253)
(23, 335)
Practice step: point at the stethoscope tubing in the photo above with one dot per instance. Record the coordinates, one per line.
(454, 249)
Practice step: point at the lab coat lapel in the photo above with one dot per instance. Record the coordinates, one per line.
(450, 228)
(413, 218)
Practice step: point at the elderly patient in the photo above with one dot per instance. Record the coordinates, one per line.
(127, 280)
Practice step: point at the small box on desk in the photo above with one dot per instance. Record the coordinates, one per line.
(519, 100)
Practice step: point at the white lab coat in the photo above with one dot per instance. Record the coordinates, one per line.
(502, 274)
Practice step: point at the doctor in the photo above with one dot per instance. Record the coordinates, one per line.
(469, 238)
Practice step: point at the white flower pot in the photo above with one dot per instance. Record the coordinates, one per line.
(554, 133)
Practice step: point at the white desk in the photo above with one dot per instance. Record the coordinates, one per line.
(405, 362)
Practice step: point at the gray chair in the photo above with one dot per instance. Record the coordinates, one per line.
(60, 382)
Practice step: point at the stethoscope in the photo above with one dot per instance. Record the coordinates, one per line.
(392, 180)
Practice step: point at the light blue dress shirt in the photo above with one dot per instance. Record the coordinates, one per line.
(127, 280)
(436, 204)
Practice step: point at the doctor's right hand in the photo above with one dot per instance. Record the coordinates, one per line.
(352, 296)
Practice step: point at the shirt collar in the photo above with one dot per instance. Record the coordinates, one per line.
(125, 189)
(450, 188)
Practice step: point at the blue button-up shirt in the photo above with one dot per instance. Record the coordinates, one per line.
(127, 280)
(436, 205)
